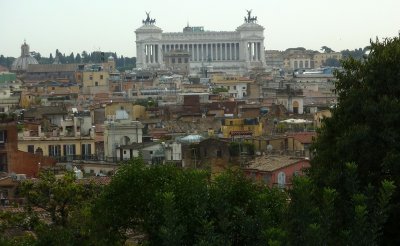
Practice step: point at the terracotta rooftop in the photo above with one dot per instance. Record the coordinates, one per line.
(39, 68)
(270, 163)
(95, 180)
(304, 137)
(44, 110)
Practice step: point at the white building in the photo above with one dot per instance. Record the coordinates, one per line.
(229, 51)
(237, 87)
(120, 132)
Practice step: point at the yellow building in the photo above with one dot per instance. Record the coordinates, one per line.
(95, 79)
(320, 115)
(72, 138)
(135, 112)
(320, 58)
(240, 127)
(53, 88)
(60, 148)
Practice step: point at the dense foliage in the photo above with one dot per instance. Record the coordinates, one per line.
(171, 206)
(364, 131)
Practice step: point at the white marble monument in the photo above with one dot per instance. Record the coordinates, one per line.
(230, 51)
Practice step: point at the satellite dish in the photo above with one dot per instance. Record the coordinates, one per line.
(269, 148)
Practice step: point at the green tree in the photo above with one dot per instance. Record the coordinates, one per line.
(85, 57)
(326, 49)
(66, 201)
(357, 54)
(51, 59)
(71, 58)
(219, 90)
(172, 206)
(78, 58)
(364, 130)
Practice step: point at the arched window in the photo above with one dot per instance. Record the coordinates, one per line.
(295, 107)
(125, 140)
(281, 179)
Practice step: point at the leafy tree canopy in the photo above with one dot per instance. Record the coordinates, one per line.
(364, 130)
(172, 206)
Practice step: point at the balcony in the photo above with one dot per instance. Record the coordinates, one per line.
(70, 158)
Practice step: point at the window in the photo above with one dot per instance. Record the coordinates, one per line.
(3, 162)
(234, 87)
(91, 77)
(53, 88)
(244, 87)
(54, 150)
(3, 135)
(281, 179)
(219, 153)
(266, 178)
(179, 60)
(86, 149)
(101, 76)
(31, 149)
(96, 83)
(173, 60)
(2, 110)
(69, 149)
(186, 60)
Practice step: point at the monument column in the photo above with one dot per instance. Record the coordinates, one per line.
(221, 51)
(206, 51)
(226, 51)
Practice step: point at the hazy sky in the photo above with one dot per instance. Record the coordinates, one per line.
(78, 25)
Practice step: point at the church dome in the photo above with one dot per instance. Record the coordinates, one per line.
(22, 62)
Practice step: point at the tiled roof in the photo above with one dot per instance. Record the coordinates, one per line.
(40, 68)
(270, 163)
(304, 137)
(95, 180)
(46, 110)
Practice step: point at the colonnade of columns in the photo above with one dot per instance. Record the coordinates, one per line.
(151, 53)
(254, 51)
(207, 51)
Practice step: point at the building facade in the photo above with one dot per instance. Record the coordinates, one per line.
(120, 132)
(236, 86)
(230, 51)
(320, 58)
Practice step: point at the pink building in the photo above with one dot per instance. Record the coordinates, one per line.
(276, 170)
